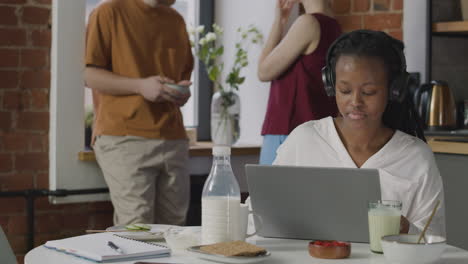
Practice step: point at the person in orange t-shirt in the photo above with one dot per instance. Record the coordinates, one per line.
(133, 49)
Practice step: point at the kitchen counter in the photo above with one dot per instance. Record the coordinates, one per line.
(448, 144)
(448, 141)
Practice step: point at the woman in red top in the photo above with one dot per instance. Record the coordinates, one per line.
(293, 64)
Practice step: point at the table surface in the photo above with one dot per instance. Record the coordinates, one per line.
(282, 251)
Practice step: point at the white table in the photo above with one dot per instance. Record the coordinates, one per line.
(282, 251)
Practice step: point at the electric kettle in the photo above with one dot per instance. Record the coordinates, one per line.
(436, 106)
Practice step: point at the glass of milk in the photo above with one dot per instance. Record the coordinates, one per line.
(384, 219)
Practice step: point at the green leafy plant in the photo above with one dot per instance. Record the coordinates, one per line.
(208, 48)
(88, 122)
(89, 118)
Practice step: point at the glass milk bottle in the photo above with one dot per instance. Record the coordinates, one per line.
(220, 200)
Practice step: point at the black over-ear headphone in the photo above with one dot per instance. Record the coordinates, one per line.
(398, 86)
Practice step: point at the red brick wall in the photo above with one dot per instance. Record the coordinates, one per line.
(385, 15)
(25, 39)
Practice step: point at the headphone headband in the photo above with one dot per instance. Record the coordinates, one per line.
(397, 87)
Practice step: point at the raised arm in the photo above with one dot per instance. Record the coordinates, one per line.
(282, 13)
(278, 54)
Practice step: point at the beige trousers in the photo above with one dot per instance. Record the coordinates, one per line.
(148, 179)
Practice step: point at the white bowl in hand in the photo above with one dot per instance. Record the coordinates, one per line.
(403, 249)
(180, 88)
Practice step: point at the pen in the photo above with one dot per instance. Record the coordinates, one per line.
(115, 247)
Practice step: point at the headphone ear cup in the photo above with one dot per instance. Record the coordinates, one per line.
(328, 83)
(399, 87)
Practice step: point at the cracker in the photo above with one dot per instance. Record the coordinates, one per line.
(234, 248)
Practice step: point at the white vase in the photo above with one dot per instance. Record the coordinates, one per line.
(225, 129)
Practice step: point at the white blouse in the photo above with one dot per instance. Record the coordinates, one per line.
(406, 164)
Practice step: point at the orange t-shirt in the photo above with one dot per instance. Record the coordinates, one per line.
(132, 39)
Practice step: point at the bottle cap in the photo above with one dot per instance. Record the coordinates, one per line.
(221, 151)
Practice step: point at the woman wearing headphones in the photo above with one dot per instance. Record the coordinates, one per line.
(292, 63)
(377, 127)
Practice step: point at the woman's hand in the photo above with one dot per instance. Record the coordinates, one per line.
(283, 10)
(404, 225)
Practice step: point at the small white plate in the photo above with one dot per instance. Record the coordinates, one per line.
(196, 252)
(156, 232)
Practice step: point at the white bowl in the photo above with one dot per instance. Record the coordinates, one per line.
(403, 249)
(180, 88)
(179, 238)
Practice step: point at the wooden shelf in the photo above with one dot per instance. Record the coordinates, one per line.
(200, 149)
(458, 27)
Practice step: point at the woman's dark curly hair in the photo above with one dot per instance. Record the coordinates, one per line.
(377, 44)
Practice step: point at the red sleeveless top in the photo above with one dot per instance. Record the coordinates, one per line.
(298, 95)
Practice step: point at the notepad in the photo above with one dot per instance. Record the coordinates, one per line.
(94, 247)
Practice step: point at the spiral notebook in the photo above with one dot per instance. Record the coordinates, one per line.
(95, 247)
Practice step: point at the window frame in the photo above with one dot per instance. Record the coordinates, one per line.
(67, 110)
(205, 86)
(66, 132)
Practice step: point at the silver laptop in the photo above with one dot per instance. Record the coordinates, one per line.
(312, 202)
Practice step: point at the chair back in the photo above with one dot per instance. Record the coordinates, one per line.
(453, 171)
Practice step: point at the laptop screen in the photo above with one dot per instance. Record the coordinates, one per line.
(312, 202)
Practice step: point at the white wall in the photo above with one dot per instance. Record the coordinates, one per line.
(415, 36)
(230, 14)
